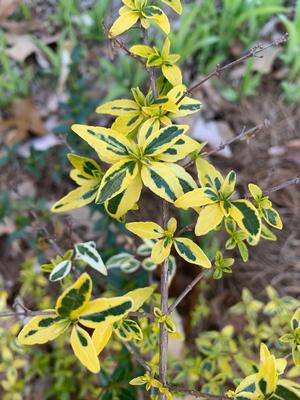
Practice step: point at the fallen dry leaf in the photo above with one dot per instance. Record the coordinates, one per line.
(25, 120)
(22, 47)
(7, 7)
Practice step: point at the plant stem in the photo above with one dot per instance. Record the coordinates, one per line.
(186, 291)
(150, 70)
(251, 53)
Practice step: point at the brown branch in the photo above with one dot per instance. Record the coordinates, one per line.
(186, 291)
(205, 396)
(244, 134)
(119, 44)
(196, 393)
(137, 356)
(25, 313)
(251, 53)
(283, 185)
(164, 293)
(142, 315)
(29, 313)
(187, 228)
(150, 70)
(33, 215)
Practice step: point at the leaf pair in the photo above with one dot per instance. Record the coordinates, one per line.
(265, 383)
(149, 162)
(74, 308)
(60, 267)
(294, 337)
(131, 114)
(214, 201)
(163, 59)
(135, 10)
(87, 174)
(186, 248)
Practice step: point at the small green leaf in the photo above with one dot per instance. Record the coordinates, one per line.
(60, 271)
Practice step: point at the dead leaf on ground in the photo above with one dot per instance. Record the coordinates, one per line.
(7, 8)
(25, 119)
(22, 47)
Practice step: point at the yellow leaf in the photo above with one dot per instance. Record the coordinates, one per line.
(105, 310)
(161, 180)
(77, 198)
(191, 252)
(172, 225)
(229, 184)
(247, 217)
(84, 349)
(74, 299)
(272, 217)
(125, 21)
(142, 51)
(156, 14)
(139, 296)
(119, 205)
(255, 191)
(87, 166)
(145, 230)
(208, 175)
(161, 140)
(101, 336)
(118, 107)
(42, 329)
(128, 123)
(196, 198)
(180, 149)
(116, 179)
(110, 145)
(161, 250)
(172, 73)
(209, 218)
(175, 4)
(150, 126)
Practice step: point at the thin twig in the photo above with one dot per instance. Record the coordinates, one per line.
(196, 393)
(33, 215)
(119, 44)
(25, 313)
(253, 52)
(137, 356)
(187, 228)
(141, 315)
(164, 293)
(241, 136)
(283, 185)
(150, 70)
(29, 313)
(186, 291)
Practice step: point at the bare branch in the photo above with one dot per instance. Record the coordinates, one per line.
(196, 393)
(283, 185)
(244, 134)
(251, 53)
(141, 315)
(119, 44)
(25, 313)
(137, 356)
(150, 70)
(186, 291)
